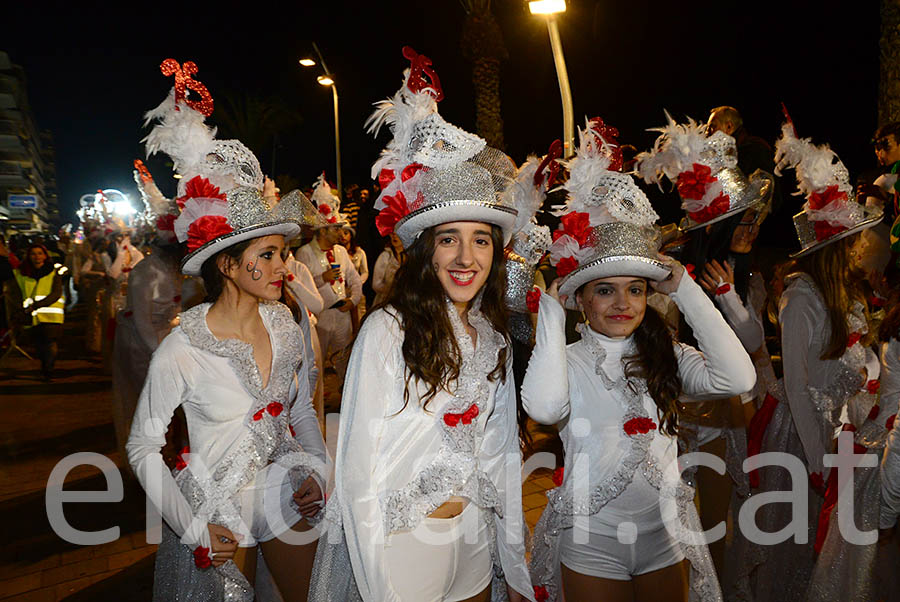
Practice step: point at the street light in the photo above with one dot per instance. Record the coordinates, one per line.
(549, 9)
(327, 79)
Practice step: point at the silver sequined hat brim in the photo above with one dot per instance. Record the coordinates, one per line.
(192, 263)
(609, 267)
(761, 188)
(873, 218)
(461, 210)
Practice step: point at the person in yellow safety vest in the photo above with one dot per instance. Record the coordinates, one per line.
(42, 302)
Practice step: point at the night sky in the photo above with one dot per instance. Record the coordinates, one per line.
(93, 71)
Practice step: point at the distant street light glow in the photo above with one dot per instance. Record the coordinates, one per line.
(547, 7)
(307, 62)
(325, 80)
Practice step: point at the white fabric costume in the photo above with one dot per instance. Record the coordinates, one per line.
(153, 300)
(383, 275)
(614, 474)
(397, 462)
(304, 288)
(244, 464)
(335, 327)
(849, 571)
(890, 468)
(816, 391)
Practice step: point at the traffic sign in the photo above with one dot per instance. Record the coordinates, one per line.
(22, 201)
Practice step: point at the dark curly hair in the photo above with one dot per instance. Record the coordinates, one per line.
(430, 350)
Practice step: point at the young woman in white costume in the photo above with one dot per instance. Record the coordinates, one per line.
(617, 523)
(427, 473)
(254, 471)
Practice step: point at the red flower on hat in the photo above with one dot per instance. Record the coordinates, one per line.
(719, 206)
(575, 224)
(325, 209)
(640, 425)
(205, 229)
(565, 266)
(166, 222)
(533, 299)
(201, 557)
(825, 230)
(817, 200)
(558, 475)
(692, 184)
(395, 210)
(199, 187)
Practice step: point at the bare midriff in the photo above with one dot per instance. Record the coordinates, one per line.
(451, 508)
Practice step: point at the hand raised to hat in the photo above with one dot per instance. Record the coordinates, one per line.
(670, 284)
(553, 291)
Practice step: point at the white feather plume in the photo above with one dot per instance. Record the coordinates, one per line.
(677, 148)
(180, 132)
(524, 195)
(817, 167)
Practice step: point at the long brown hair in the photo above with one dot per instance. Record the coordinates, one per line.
(430, 350)
(829, 268)
(654, 361)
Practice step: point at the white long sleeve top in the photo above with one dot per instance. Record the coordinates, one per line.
(817, 390)
(303, 286)
(237, 428)
(890, 466)
(315, 259)
(397, 461)
(386, 267)
(562, 386)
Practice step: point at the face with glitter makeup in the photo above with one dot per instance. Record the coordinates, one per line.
(463, 253)
(615, 306)
(260, 271)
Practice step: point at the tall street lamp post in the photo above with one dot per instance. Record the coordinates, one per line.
(550, 8)
(326, 79)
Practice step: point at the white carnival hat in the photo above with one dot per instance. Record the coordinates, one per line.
(705, 172)
(607, 224)
(328, 204)
(433, 172)
(220, 191)
(529, 241)
(830, 212)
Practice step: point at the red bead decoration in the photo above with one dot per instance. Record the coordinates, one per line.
(184, 82)
(558, 475)
(420, 66)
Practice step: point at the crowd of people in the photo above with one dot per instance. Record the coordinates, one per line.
(500, 297)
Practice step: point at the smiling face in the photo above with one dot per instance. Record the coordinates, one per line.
(260, 270)
(462, 258)
(615, 306)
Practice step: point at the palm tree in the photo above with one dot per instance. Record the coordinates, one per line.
(256, 121)
(889, 86)
(482, 44)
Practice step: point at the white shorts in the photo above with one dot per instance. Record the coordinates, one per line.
(267, 507)
(442, 559)
(605, 557)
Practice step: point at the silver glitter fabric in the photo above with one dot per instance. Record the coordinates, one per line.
(215, 497)
(563, 505)
(860, 218)
(719, 152)
(743, 193)
(519, 282)
(632, 249)
(247, 208)
(232, 158)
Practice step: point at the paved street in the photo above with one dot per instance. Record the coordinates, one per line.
(40, 424)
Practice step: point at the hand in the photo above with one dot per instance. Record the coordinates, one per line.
(308, 496)
(223, 542)
(553, 291)
(715, 274)
(331, 274)
(346, 306)
(513, 595)
(670, 284)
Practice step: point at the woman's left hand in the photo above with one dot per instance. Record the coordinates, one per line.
(553, 291)
(716, 274)
(670, 284)
(308, 496)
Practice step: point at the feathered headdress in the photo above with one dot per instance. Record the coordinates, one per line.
(831, 211)
(327, 204)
